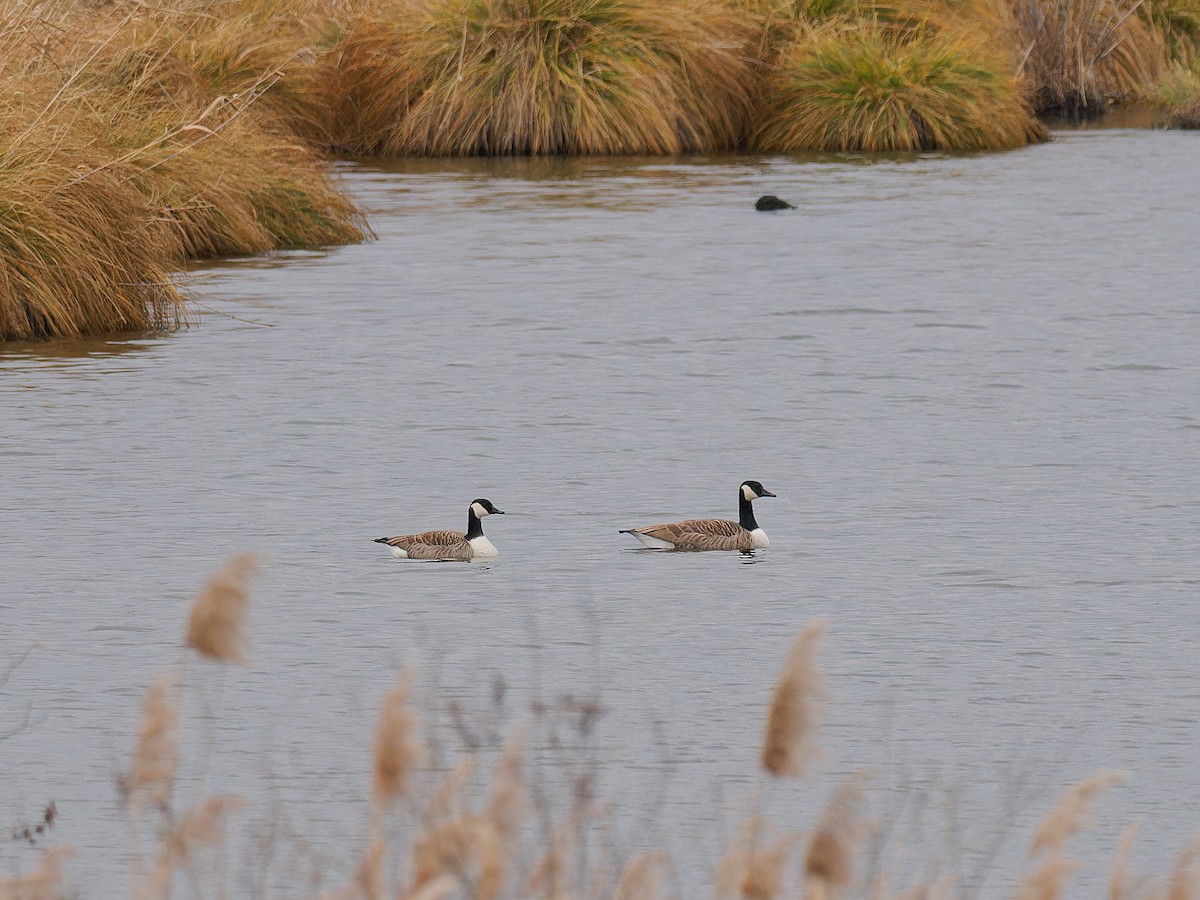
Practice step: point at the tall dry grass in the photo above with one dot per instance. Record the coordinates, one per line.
(1079, 56)
(129, 144)
(521, 77)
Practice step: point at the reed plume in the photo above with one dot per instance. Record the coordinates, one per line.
(217, 626)
(829, 862)
(791, 720)
(750, 871)
(154, 762)
(1070, 816)
(398, 746)
(468, 848)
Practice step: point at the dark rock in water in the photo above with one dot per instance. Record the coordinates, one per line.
(769, 202)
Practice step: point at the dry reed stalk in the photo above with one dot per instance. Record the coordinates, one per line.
(1185, 877)
(642, 878)
(201, 826)
(508, 803)
(749, 871)
(1070, 816)
(792, 717)
(217, 625)
(150, 778)
(551, 877)
(46, 882)
(829, 861)
(469, 848)
(398, 746)
(1117, 888)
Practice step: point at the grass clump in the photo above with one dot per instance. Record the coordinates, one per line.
(879, 88)
(78, 255)
(538, 77)
(135, 138)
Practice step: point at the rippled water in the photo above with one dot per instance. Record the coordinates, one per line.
(973, 383)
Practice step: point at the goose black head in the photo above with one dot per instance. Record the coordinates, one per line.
(752, 490)
(483, 508)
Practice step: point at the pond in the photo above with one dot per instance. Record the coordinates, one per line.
(972, 382)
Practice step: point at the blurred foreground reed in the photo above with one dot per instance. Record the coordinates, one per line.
(441, 827)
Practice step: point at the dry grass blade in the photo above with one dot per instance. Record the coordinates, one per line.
(1066, 819)
(153, 772)
(217, 625)
(398, 747)
(791, 720)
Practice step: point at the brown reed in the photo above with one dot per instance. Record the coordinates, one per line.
(1071, 815)
(1117, 876)
(791, 721)
(48, 880)
(217, 624)
(749, 870)
(469, 848)
(398, 746)
(642, 878)
(829, 861)
(152, 774)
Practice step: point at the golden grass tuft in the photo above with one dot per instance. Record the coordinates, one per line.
(872, 87)
(1061, 823)
(152, 774)
(791, 720)
(538, 77)
(217, 626)
(398, 747)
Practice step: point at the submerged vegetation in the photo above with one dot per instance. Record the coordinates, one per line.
(136, 137)
(504, 812)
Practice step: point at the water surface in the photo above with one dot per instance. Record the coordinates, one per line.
(972, 381)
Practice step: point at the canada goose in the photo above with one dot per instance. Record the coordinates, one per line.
(710, 534)
(449, 544)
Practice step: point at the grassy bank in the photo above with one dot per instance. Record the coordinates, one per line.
(132, 141)
(491, 808)
(135, 137)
